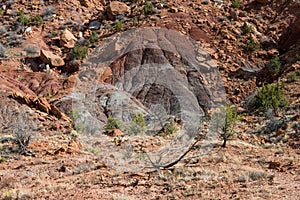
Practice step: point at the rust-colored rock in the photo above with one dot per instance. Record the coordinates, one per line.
(50, 58)
(117, 8)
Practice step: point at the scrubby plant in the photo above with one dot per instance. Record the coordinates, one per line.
(293, 76)
(114, 123)
(36, 20)
(247, 29)
(79, 52)
(22, 140)
(251, 45)
(1, 12)
(231, 118)
(138, 125)
(270, 96)
(119, 26)
(148, 8)
(297, 57)
(22, 18)
(93, 37)
(274, 64)
(171, 127)
(236, 3)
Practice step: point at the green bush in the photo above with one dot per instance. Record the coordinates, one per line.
(247, 29)
(294, 75)
(93, 37)
(137, 125)
(274, 65)
(148, 8)
(232, 117)
(22, 18)
(270, 96)
(251, 45)
(119, 26)
(114, 123)
(79, 52)
(236, 3)
(36, 20)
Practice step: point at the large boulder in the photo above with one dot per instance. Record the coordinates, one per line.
(117, 8)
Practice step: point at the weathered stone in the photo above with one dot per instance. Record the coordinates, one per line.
(50, 58)
(67, 39)
(117, 8)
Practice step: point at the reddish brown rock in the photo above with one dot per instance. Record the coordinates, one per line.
(50, 58)
(117, 8)
(67, 39)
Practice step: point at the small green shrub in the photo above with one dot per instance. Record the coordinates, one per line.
(119, 26)
(274, 65)
(1, 12)
(148, 8)
(297, 57)
(93, 37)
(270, 96)
(138, 124)
(36, 20)
(22, 18)
(232, 117)
(247, 29)
(251, 45)
(79, 52)
(294, 75)
(114, 123)
(169, 128)
(236, 3)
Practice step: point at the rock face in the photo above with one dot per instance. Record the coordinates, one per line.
(292, 35)
(117, 8)
(155, 72)
(50, 58)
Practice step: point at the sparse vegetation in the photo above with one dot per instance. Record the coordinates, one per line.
(231, 118)
(148, 8)
(79, 52)
(93, 37)
(119, 26)
(114, 123)
(138, 125)
(294, 75)
(36, 20)
(251, 45)
(22, 140)
(236, 3)
(169, 128)
(274, 65)
(270, 96)
(247, 29)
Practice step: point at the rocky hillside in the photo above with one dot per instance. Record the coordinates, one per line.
(121, 99)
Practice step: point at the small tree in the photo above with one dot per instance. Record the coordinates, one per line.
(114, 123)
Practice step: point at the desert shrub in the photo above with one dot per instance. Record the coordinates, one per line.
(170, 127)
(297, 57)
(36, 20)
(2, 50)
(251, 45)
(247, 29)
(231, 118)
(236, 3)
(79, 52)
(22, 140)
(294, 75)
(22, 18)
(137, 125)
(119, 26)
(93, 37)
(1, 12)
(148, 8)
(274, 64)
(114, 123)
(270, 96)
